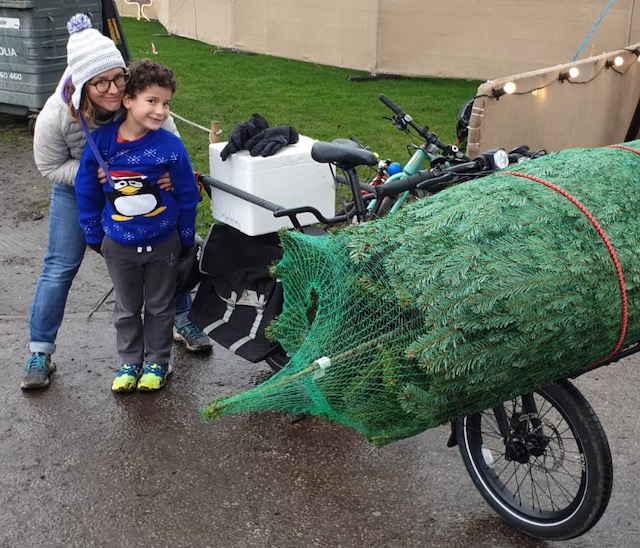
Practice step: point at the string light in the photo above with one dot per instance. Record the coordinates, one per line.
(635, 51)
(617, 61)
(569, 76)
(573, 72)
(507, 89)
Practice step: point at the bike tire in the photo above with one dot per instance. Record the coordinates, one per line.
(558, 495)
(385, 206)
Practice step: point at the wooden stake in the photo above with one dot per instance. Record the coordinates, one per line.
(214, 136)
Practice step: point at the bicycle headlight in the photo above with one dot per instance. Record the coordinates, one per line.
(496, 158)
(500, 158)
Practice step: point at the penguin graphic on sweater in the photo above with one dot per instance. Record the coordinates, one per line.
(133, 196)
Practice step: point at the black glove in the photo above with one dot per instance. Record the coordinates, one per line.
(271, 140)
(184, 251)
(242, 133)
(96, 248)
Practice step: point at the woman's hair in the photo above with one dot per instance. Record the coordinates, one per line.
(86, 108)
(145, 73)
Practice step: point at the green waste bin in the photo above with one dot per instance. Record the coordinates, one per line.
(33, 47)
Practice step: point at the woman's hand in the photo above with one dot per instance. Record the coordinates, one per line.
(164, 182)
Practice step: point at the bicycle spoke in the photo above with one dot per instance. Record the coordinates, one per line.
(546, 483)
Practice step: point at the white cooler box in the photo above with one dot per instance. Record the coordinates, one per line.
(289, 178)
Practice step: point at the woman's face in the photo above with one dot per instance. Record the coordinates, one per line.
(105, 102)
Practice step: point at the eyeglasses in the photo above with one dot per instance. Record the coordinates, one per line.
(103, 85)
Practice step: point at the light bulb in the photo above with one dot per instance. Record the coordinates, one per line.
(508, 88)
(573, 72)
(617, 61)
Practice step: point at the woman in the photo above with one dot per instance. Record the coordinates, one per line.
(93, 84)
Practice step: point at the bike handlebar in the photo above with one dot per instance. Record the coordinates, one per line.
(407, 119)
(391, 105)
(425, 178)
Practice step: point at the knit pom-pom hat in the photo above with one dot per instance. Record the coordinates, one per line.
(89, 53)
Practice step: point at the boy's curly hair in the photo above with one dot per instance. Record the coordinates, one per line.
(145, 73)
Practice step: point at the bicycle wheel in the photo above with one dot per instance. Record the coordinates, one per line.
(385, 206)
(552, 477)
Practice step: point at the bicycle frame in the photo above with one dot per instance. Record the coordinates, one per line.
(414, 164)
(431, 149)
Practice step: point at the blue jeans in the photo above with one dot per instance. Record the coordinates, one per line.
(183, 307)
(65, 250)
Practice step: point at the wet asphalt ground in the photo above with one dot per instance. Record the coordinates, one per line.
(82, 467)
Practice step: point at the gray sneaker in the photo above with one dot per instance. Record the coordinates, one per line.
(37, 372)
(192, 338)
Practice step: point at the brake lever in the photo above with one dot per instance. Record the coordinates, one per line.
(400, 123)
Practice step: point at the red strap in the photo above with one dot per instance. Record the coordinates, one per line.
(623, 147)
(607, 243)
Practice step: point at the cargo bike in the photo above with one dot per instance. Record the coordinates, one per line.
(540, 460)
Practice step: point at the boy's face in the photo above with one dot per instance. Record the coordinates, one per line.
(149, 108)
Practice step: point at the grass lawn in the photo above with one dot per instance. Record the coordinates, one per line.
(317, 100)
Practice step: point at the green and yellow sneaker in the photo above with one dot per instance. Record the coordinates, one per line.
(154, 376)
(127, 378)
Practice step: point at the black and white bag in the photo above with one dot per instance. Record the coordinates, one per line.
(237, 297)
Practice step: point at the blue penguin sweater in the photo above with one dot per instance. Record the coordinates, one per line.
(135, 210)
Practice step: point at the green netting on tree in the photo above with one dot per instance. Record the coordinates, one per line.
(487, 290)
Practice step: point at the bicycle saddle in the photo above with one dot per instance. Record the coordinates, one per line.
(343, 153)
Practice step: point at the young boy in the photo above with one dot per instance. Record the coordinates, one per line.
(140, 229)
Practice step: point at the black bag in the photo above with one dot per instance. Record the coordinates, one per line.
(237, 297)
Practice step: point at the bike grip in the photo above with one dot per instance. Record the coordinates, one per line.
(395, 108)
(440, 145)
(401, 185)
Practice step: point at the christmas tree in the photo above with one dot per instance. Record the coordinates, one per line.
(484, 291)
